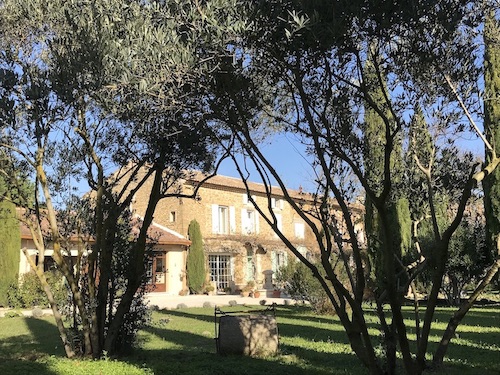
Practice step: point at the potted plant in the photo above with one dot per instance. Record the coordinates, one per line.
(209, 289)
(256, 294)
(247, 289)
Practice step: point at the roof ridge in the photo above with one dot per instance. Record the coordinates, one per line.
(159, 226)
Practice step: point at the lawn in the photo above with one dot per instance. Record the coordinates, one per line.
(182, 342)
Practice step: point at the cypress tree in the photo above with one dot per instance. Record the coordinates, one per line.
(10, 246)
(420, 146)
(196, 272)
(398, 206)
(373, 159)
(491, 182)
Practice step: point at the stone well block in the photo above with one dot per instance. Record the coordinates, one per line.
(253, 335)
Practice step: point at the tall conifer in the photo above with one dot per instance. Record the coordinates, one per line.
(196, 272)
(374, 147)
(10, 247)
(491, 183)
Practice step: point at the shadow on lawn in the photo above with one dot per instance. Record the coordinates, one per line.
(202, 314)
(19, 354)
(23, 366)
(43, 338)
(294, 324)
(331, 330)
(194, 353)
(46, 336)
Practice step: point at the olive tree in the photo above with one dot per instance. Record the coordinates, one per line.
(106, 94)
(303, 73)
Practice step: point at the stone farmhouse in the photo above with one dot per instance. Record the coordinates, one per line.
(239, 244)
(240, 247)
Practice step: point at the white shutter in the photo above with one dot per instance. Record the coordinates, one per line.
(299, 230)
(215, 218)
(273, 202)
(231, 265)
(274, 264)
(256, 216)
(279, 221)
(244, 221)
(232, 220)
(245, 199)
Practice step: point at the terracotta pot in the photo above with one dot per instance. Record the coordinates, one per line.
(256, 294)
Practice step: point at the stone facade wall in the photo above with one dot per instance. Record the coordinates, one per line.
(177, 213)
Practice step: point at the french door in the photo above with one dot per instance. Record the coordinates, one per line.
(220, 271)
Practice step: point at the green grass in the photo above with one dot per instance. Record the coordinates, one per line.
(182, 342)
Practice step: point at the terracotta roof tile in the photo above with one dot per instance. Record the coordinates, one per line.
(161, 235)
(234, 183)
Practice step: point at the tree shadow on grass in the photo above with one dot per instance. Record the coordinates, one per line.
(43, 338)
(23, 366)
(194, 351)
(46, 337)
(477, 316)
(189, 353)
(19, 354)
(207, 313)
(203, 314)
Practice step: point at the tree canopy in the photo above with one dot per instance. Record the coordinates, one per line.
(107, 94)
(378, 93)
(304, 73)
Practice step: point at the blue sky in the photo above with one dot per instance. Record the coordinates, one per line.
(289, 159)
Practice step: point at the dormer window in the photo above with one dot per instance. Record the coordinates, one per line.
(246, 199)
(276, 204)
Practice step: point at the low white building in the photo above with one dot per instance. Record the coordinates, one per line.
(166, 268)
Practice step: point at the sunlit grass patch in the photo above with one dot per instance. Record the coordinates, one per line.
(85, 367)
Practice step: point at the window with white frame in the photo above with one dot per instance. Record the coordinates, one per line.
(299, 229)
(249, 221)
(276, 204)
(246, 199)
(223, 219)
(221, 270)
(279, 258)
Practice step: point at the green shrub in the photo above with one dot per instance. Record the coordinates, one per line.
(299, 283)
(29, 292)
(12, 314)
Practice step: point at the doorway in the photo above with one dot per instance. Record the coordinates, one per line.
(158, 270)
(220, 271)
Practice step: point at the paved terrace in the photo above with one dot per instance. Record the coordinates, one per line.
(165, 301)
